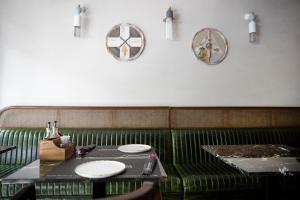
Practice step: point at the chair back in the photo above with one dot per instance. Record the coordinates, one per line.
(26, 193)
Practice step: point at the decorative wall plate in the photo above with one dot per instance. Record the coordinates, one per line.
(125, 42)
(210, 46)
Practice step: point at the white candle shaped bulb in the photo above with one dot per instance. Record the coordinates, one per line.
(252, 27)
(169, 24)
(252, 31)
(77, 21)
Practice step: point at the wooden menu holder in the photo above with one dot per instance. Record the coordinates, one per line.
(50, 150)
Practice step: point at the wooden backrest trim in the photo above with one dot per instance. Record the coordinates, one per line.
(235, 117)
(86, 117)
(150, 117)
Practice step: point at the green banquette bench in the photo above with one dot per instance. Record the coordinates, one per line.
(176, 134)
(206, 175)
(26, 140)
(24, 127)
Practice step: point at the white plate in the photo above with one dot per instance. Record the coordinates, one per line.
(134, 148)
(100, 169)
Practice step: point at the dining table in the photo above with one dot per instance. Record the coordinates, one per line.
(64, 171)
(270, 161)
(4, 149)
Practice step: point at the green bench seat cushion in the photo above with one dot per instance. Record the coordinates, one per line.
(64, 189)
(173, 183)
(214, 177)
(7, 191)
(8, 169)
(51, 189)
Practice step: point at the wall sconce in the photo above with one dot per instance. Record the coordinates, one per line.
(251, 17)
(77, 20)
(169, 24)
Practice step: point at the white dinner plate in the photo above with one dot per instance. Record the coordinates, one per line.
(100, 168)
(134, 148)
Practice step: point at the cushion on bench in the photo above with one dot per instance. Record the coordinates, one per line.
(51, 189)
(8, 169)
(214, 177)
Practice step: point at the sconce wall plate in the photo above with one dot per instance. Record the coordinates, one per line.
(125, 42)
(210, 46)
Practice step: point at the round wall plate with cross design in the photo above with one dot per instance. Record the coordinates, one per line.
(210, 46)
(125, 42)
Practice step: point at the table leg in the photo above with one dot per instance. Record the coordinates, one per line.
(99, 189)
(273, 190)
(267, 188)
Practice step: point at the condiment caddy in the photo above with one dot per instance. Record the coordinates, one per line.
(55, 146)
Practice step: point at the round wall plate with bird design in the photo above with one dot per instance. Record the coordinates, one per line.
(125, 42)
(210, 46)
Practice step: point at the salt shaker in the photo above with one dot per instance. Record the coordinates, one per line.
(55, 130)
(48, 131)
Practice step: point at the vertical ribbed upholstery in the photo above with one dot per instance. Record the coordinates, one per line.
(26, 140)
(159, 139)
(187, 142)
(202, 172)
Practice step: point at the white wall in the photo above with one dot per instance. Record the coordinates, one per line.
(41, 63)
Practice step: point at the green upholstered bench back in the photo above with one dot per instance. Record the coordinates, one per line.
(26, 140)
(160, 139)
(187, 142)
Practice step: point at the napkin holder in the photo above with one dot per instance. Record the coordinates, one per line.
(51, 150)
